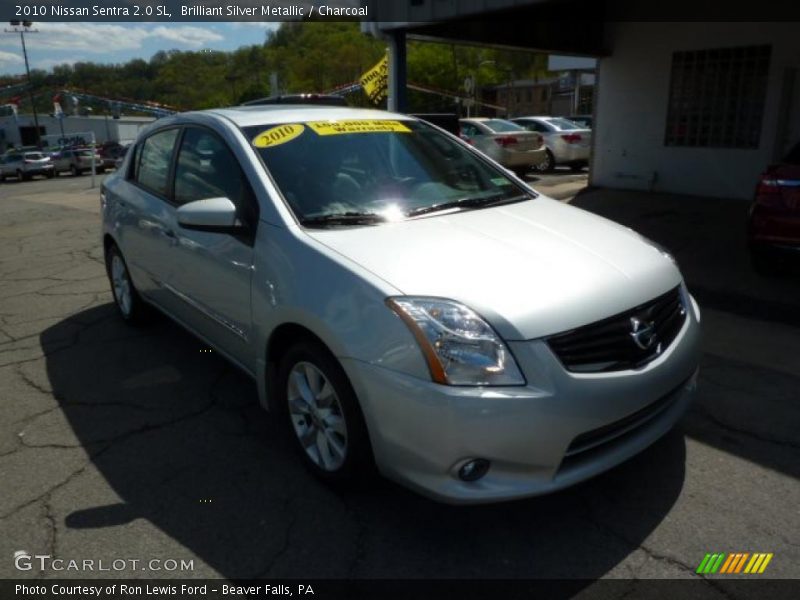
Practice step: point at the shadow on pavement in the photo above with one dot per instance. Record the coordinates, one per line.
(178, 435)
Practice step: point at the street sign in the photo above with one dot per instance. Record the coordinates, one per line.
(469, 84)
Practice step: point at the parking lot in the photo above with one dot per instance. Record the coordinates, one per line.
(139, 443)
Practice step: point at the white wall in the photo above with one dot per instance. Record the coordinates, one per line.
(113, 129)
(631, 109)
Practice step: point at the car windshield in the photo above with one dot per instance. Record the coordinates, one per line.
(564, 124)
(85, 153)
(34, 155)
(502, 126)
(367, 171)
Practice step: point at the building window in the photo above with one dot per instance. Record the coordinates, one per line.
(716, 97)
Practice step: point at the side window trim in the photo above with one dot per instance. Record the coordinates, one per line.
(173, 166)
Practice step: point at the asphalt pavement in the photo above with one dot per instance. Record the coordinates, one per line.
(138, 444)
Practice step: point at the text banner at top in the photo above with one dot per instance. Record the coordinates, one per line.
(181, 10)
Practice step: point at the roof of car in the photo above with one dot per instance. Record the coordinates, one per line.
(245, 116)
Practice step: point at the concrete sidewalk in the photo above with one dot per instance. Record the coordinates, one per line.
(708, 238)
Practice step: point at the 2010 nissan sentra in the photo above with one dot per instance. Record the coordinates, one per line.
(401, 300)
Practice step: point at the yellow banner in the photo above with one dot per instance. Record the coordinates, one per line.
(357, 126)
(376, 81)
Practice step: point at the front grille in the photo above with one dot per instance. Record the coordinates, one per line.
(625, 341)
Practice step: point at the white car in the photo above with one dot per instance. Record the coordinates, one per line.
(568, 143)
(505, 142)
(401, 300)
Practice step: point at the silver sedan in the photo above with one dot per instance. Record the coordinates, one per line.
(400, 300)
(505, 142)
(568, 143)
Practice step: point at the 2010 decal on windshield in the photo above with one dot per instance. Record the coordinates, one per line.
(278, 135)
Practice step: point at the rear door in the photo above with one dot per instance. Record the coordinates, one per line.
(147, 217)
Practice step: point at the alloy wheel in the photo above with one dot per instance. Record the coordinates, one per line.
(317, 416)
(122, 285)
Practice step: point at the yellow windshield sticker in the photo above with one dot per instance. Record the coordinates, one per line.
(278, 135)
(359, 126)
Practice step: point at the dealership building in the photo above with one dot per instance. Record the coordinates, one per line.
(695, 108)
(20, 130)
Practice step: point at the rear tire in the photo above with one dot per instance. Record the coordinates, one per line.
(74, 170)
(548, 164)
(577, 167)
(521, 172)
(129, 303)
(323, 414)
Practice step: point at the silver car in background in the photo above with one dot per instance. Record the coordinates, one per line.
(24, 165)
(400, 300)
(568, 143)
(77, 161)
(505, 142)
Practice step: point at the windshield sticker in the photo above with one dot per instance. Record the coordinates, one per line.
(277, 135)
(501, 181)
(359, 126)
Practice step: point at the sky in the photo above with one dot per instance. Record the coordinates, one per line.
(58, 43)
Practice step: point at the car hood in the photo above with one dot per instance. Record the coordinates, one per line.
(532, 268)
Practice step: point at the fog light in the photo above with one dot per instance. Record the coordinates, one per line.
(474, 469)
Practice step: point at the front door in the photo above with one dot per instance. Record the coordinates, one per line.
(213, 271)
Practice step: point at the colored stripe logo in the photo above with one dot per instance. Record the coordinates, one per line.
(735, 562)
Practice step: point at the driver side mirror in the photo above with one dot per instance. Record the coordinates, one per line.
(213, 214)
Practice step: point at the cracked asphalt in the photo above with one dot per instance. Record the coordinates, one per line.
(123, 443)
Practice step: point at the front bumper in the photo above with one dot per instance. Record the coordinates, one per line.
(557, 430)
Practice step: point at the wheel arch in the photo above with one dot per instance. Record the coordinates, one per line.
(280, 340)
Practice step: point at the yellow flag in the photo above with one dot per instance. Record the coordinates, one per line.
(376, 81)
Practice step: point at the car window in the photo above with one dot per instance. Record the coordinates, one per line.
(534, 126)
(34, 155)
(502, 126)
(206, 168)
(153, 170)
(564, 124)
(469, 130)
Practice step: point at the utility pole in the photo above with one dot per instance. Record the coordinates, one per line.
(21, 27)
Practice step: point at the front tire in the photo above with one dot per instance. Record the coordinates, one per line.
(323, 414)
(129, 303)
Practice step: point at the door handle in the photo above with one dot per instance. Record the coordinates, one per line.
(170, 234)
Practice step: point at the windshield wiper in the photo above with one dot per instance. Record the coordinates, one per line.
(475, 202)
(343, 218)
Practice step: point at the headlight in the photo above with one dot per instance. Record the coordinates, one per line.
(459, 346)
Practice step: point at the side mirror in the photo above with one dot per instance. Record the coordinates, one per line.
(213, 214)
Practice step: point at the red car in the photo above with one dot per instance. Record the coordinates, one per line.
(774, 223)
